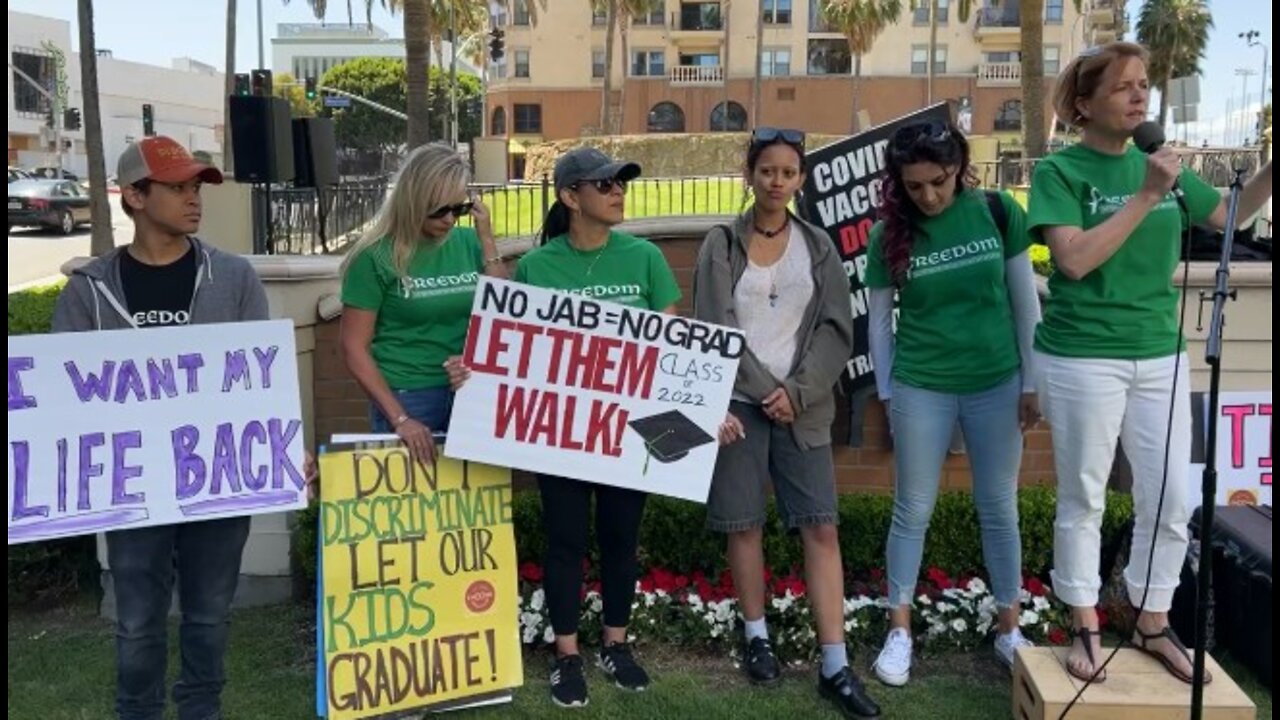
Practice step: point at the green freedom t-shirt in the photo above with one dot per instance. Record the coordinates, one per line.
(422, 317)
(626, 270)
(1127, 308)
(955, 324)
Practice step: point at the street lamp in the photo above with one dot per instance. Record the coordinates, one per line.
(1244, 74)
(1252, 37)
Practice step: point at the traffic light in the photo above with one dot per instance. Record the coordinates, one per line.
(311, 88)
(243, 84)
(261, 81)
(148, 120)
(71, 119)
(496, 44)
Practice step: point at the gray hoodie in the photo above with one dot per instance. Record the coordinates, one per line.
(826, 334)
(227, 289)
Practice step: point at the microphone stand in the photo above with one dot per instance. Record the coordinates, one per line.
(1209, 486)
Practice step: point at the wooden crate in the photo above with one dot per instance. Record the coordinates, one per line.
(1137, 688)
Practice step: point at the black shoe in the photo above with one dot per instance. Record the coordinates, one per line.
(848, 694)
(760, 662)
(568, 682)
(618, 663)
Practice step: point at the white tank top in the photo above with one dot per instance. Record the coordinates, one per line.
(771, 301)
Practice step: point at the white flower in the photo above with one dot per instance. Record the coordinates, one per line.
(694, 601)
(924, 600)
(538, 600)
(959, 625)
(1029, 617)
(594, 602)
(944, 607)
(649, 599)
(530, 634)
(1040, 604)
(519, 602)
(549, 636)
(977, 587)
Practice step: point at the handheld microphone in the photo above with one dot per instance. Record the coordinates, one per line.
(1149, 137)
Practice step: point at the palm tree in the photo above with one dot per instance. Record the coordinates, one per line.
(229, 75)
(1034, 135)
(630, 10)
(102, 239)
(861, 22)
(1177, 33)
(611, 9)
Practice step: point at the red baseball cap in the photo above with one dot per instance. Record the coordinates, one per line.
(162, 159)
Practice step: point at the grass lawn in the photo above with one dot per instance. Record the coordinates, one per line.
(518, 209)
(61, 668)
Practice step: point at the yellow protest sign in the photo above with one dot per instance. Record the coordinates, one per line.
(418, 597)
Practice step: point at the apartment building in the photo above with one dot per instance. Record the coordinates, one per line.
(691, 66)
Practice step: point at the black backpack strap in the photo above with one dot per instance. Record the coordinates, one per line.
(998, 213)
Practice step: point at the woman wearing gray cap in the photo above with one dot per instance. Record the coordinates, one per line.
(582, 253)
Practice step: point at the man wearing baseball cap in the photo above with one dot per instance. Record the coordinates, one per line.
(167, 277)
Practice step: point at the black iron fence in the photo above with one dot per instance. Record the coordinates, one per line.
(308, 221)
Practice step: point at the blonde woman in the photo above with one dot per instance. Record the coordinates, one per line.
(407, 289)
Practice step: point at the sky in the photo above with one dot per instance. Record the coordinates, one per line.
(156, 31)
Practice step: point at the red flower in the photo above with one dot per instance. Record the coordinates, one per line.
(681, 582)
(1102, 618)
(877, 574)
(1058, 636)
(1035, 587)
(726, 581)
(531, 572)
(939, 578)
(664, 580)
(646, 584)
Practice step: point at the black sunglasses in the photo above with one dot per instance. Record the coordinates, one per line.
(604, 187)
(459, 210)
(772, 134)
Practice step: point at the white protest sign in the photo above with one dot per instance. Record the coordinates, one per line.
(591, 390)
(124, 429)
(1244, 450)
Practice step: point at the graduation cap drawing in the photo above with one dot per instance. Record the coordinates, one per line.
(669, 436)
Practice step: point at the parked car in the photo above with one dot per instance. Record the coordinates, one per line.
(55, 204)
(16, 174)
(51, 173)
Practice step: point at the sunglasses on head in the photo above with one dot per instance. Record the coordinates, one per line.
(459, 210)
(772, 134)
(604, 187)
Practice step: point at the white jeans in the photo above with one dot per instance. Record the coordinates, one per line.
(1089, 403)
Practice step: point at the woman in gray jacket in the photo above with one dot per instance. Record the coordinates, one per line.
(780, 280)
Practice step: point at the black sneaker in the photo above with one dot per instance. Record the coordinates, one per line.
(618, 663)
(845, 690)
(568, 682)
(760, 662)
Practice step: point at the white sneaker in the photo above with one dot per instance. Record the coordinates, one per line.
(1007, 645)
(893, 667)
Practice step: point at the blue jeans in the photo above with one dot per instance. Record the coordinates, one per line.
(431, 407)
(923, 421)
(206, 557)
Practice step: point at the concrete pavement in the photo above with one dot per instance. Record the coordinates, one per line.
(35, 256)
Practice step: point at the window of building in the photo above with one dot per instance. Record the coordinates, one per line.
(597, 64)
(1052, 59)
(830, 57)
(734, 119)
(522, 63)
(919, 58)
(39, 65)
(775, 62)
(520, 15)
(648, 63)
(528, 119)
(666, 117)
(498, 125)
(1009, 117)
(1053, 12)
(920, 12)
(776, 12)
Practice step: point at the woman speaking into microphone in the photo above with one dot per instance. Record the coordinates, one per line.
(1110, 351)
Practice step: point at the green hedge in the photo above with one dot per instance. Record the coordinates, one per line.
(674, 536)
(40, 573)
(31, 311)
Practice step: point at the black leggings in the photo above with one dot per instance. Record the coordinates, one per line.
(566, 510)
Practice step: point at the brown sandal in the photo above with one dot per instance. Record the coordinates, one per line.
(1167, 634)
(1099, 675)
